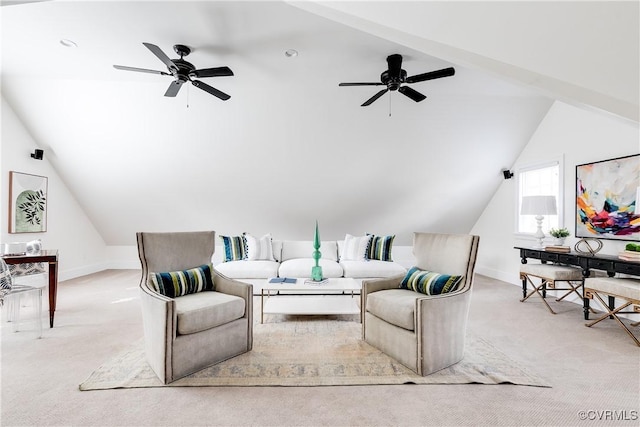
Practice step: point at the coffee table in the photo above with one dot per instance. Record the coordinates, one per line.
(336, 296)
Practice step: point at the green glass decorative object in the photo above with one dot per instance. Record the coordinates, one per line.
(316, 270)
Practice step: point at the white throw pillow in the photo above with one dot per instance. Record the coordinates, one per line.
(259, 249)
(355, 248)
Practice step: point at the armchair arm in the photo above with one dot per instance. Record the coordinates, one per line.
(159, 320)
(374, 285)
(243, 290)
(441, 323)
(230, 286)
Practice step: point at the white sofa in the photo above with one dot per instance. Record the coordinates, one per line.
(293, 258)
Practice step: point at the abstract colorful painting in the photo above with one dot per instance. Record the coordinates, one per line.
(606, 199)
(27, 203)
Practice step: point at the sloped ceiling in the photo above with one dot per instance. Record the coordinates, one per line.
(289, 147)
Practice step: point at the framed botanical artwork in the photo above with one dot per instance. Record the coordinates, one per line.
(27, 203)
(606, 202)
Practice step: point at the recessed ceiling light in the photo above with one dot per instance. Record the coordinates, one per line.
(291, 53)
(68, 43)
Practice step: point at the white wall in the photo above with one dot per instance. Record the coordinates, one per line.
(81, 248)
(579, 136)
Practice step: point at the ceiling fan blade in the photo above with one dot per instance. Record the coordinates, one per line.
(213, 91)
(161, 56)
(142, 70)
(413, 94)
(213, 72)
(445, 72)
(174, 88)
(395, 63)
(374, 97)
(361, 84)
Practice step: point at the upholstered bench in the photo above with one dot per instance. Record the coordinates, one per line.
(612, 287)
(549, 275)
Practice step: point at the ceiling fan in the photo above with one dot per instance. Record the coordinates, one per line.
(395, 77)
(183, 71)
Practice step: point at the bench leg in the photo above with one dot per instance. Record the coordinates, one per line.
(585, 307)
(612, 304)
(612, 314)
(536, 290)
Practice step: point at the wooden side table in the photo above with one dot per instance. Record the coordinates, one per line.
(49, 256)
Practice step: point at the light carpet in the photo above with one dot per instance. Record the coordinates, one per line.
(315, 351)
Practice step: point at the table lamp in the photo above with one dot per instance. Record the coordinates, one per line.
(539, 206)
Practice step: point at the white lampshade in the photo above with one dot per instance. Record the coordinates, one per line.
(538, 205)
(638, 201)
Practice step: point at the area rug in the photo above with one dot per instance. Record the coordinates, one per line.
(315, 351)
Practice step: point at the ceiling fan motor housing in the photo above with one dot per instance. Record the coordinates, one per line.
(393, 80)
(184, 69)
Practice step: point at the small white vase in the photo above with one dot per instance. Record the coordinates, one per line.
(558, 241)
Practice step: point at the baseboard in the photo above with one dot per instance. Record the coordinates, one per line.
(80, 271)
(498, 275)
(124, 265)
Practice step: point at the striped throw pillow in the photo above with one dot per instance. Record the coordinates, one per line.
(430, 283)
(235, 248)
(380, 247)
(259, 249)
(178, 283)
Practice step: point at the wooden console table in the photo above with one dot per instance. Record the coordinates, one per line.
(50, 257)
(609, 263)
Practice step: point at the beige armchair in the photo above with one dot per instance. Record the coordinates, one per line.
(424, 333)
(191, 332)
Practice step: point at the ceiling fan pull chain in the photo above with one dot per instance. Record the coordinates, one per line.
(188, 92)
(390, 96)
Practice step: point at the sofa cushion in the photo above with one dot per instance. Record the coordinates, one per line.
(206, 310)
(235, 248)
(178, 283)
(395, 306)
(355, 248)
(430, 283)
(259, 249)
(371, 268)
(380, 248)
(301, 267)
(246, 269)
(292, 249)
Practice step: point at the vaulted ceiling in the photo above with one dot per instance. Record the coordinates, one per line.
(290, 146)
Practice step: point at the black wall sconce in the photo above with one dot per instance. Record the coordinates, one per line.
(507, 174)
(37, 154)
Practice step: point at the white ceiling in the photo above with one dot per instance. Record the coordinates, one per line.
(289, 147)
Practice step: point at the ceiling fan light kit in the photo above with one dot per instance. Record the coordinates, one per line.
(183, 71)
(395, 79)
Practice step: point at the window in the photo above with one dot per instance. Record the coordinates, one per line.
(540, 180)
